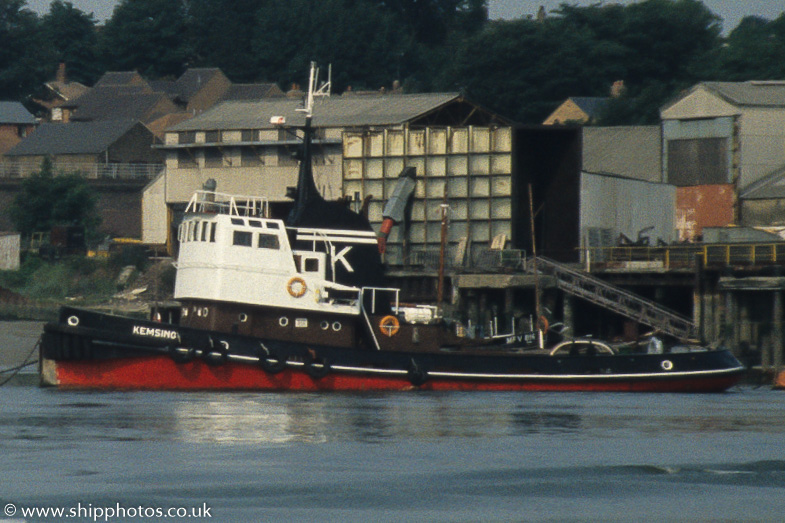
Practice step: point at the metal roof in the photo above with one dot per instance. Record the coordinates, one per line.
(632, 151)
(334, 111)
(15, 113)
(771, 186)
(72, 138)
(755, 93)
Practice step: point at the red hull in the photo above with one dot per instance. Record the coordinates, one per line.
(161, 373)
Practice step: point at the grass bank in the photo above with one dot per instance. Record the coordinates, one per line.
(39, 287)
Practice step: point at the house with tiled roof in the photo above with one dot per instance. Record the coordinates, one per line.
(98, 149)
(16, 122)
(577, 110)
(57, 93)
(727, 138)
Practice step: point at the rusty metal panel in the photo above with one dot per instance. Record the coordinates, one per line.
(479, 209)
(437, 141)
(435, 188)
(459, 210)
(457, 165)
(480, 232)
(374, 168)
(501, 186)
(501, 164)
(459, 141)
(416, 142)
(702, 206)
(479, 186)
(458, 187)
(352, 169)
(481, 139)
(437, 166)
(501, 208)
(374, 143)
(352, 145)
(480, 164)
(502, 139)
(395, 140)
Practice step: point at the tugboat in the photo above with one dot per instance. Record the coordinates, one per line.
(301, 304)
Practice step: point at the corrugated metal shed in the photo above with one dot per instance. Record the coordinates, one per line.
(632, 151)
(336, 111)
(72, 138)
(700, 206)
(614, 205)
(754, 93)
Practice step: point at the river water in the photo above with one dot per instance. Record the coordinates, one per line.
(394, 457)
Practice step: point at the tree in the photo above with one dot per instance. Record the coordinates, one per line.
(46, 199)
(755, 49)
(23, 57)
(148, 36)
(221, 34)
(71, 35)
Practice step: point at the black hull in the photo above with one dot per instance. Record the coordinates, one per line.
(86, 349)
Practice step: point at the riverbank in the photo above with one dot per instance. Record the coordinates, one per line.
(17, 340)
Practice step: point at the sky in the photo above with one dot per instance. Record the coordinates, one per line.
(731, 11)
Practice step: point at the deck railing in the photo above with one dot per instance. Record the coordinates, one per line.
(685, 256)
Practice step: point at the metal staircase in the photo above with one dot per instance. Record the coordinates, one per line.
(623, 302)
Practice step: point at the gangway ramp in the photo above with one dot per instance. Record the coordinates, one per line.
(628, 304)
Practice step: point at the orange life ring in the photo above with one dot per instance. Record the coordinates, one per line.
(296, 287)
(389, 326)
(542, 324)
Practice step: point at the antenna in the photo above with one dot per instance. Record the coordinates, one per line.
(314, 89)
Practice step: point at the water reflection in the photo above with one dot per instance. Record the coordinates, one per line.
(28, 413)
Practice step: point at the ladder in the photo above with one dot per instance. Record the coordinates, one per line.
(623, 302)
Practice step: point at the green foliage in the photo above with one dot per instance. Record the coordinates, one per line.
(76, 276)
(23, 56)
(148, 36)
(71, 35)
(46, 200)
(521, 68)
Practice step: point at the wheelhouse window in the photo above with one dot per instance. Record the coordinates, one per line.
(268, 241)
(242, 238)
(311, 265)
(212, 232)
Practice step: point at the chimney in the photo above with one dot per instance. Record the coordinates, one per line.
(617, 89)
(60, 76)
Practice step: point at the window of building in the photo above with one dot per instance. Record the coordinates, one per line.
(186, 159)
(243, 238)
(248, 135)
(187, 137)
(268, 241)
(250, 157)
(212, 136)
(213, 158)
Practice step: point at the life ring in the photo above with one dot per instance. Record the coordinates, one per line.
(389, 325)
(296, 287)
(542, 324)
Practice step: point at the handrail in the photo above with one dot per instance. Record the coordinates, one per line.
(221, 203)
(684, 256)
(12, 169)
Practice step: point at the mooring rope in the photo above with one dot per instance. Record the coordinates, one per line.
(25, 363)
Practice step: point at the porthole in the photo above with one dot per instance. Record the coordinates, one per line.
(666, 365)
(243, 317)
(337, 326)
(73, 321)
(283, 321)
(325, 325)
